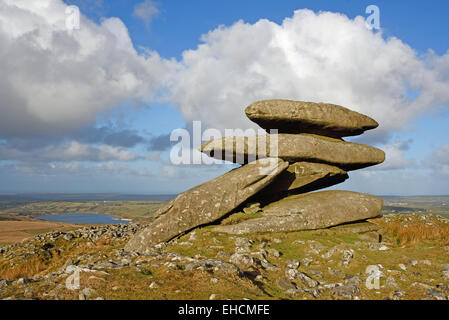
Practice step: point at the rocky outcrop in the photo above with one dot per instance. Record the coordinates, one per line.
(310, 211)
(309, 145)
(208, 202)
(295, 148)
(308, 117)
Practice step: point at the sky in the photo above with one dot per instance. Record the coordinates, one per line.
(90, 108)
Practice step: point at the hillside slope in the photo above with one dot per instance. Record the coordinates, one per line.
(410, 262)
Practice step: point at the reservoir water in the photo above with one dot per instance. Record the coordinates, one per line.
(83, 218)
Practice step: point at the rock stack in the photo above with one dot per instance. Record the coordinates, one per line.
(310, 154)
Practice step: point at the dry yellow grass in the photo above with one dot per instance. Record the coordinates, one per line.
(416, 231)
(16, 231)
(24, 270)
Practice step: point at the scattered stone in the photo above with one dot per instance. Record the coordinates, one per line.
(334, 272)
(214, 280)
(317, 273)
(329, 286)
(421, 285)
(314, 248)
(23, 281)
(306, 261)
(390, 282)
(153, 285)
(241, 260)
(262, 254)
(293, 264)
(346, 291)
(274, 252)
(443, 286)
(437, 294)
(349, 290)
(262, 245)
(329, 253)
(396, 295)
(285, 285)
(352, 280)
(402, 266)
(294, 274)
(268, 266)
(413, 262)
(243, 249)
(445, 274)
(223, 255)
(214, 265)
(68, 237)
(348, 255)
(213, 296)
(3, 283)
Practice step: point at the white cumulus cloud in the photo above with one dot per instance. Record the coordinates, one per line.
(313, 57)
(54, 80)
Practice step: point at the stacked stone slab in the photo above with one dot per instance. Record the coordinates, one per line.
(310, 154)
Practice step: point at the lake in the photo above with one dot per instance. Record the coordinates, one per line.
(83, 218)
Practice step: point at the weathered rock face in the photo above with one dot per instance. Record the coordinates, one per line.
(310, 211)
(207, 202)
(295, 148)
(307, 117)
(302, 177)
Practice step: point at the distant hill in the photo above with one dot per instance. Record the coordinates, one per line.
(85, 197)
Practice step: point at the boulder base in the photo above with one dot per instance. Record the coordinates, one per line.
(310, 211)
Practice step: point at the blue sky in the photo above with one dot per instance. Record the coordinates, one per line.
(154, 66)
(180, 24)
